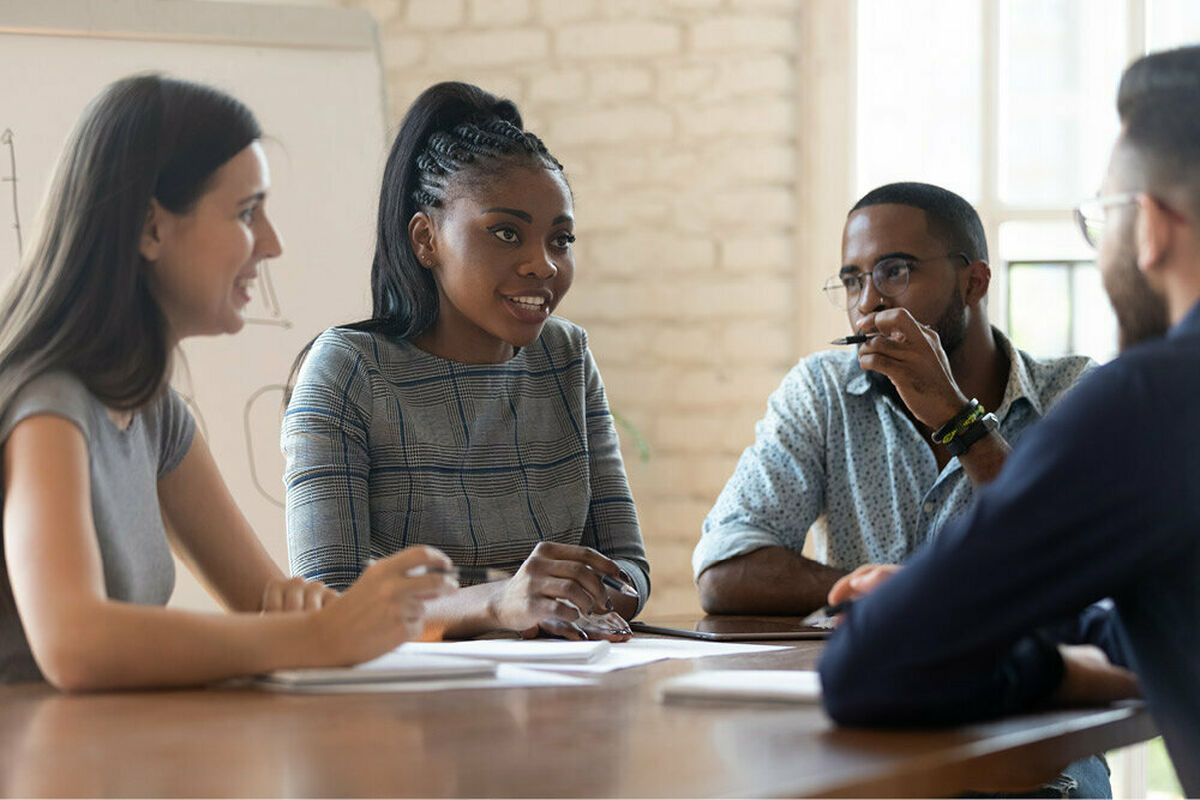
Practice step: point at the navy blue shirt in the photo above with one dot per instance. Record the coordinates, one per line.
(1100, 499)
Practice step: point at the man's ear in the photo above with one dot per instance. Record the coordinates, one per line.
(979, 278)
(422, 233)
(151, 242)
(1153, 232)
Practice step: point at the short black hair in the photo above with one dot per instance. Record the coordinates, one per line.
(950, 218)
(1159, 105)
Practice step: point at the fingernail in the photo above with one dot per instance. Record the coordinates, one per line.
(608, 604)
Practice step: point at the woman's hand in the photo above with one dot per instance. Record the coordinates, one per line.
(610, 627)
(386, 606)
(556, 588)
(295, 594)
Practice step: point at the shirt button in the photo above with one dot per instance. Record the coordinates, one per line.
(927, 508)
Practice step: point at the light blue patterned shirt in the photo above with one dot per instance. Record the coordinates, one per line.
(835, 454)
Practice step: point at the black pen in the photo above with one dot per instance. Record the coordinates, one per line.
(826, 613)
(620, 586)
(856, 338)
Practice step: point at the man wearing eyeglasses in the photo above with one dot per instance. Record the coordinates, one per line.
(1099, 500)
(876, 447)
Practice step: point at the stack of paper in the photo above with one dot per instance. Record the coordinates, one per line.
(530, 651)
(779, 686)
(388, 668)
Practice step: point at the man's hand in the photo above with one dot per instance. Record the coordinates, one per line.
(910, 355)
(861, 582)
(1089, 678)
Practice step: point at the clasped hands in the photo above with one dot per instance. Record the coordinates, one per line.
(1088, 676)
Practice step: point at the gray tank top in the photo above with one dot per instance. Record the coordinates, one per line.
(124, 467)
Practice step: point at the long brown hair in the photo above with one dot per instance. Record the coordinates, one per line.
(81, 301)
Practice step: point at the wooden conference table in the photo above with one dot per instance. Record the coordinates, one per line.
(611, 739)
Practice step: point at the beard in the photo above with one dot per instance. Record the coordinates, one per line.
(1141, 311)
(951, 328)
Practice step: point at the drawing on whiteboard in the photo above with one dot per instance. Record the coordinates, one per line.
(185, 387)
(248, 412)
(6, 138)
(274, 314)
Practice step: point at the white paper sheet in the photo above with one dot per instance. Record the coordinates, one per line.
(508, 676)
(773, 685)
(525, 651)
(638, 651)
(390, 667)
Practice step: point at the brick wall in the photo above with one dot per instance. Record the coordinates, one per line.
(676, 121)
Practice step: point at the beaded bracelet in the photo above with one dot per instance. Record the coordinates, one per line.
(964, 419)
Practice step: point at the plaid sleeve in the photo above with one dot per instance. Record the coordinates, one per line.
(612, 522)
(325, 442)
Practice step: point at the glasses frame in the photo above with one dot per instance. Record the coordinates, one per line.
(1091, 215)
(834, 284)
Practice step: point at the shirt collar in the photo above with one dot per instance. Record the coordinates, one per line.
(1019, 386)
(1189, 325)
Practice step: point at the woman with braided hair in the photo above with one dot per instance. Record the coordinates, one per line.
(463, 415)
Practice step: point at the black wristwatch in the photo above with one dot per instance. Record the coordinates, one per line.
(978, 429)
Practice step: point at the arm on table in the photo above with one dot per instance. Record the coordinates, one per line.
(748, 559)
(83, 640)
(770, 580)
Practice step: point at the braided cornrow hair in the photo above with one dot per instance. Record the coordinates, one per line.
(471, 144)
(453, 132)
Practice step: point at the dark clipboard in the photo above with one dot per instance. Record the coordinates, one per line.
(729, 628)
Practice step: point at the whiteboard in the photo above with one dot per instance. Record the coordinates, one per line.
(313, 77)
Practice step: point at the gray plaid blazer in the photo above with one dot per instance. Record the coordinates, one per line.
(388, 446)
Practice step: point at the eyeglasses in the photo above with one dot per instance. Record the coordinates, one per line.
(1093, 213)
(889, 276)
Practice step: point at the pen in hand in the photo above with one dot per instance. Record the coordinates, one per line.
(856, 338)
(619, 586)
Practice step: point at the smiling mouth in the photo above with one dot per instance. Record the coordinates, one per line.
(530, 309)
(242, 286)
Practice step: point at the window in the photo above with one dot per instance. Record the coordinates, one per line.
(1010, 103)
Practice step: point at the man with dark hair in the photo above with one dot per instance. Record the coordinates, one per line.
(876, 449)
(1099, 500)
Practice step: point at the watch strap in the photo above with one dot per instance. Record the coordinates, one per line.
(980, 428)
